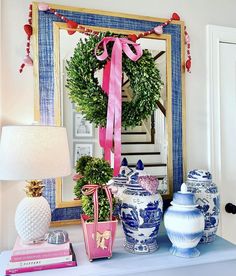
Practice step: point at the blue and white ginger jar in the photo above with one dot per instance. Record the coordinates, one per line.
(141, 214)
(207, 196)
(119, 182)
(184, 224)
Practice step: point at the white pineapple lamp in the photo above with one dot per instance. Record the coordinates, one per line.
(33, 153)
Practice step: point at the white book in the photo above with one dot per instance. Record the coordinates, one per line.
(32, 263)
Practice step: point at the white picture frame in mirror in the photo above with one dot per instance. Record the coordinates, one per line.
(81, 127)
(81, 149)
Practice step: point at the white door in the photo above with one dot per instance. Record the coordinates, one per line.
(228, 137)
(221, 48)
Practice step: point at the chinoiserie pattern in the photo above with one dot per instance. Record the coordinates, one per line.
(141, 214)
(119, 184)
(207, 197)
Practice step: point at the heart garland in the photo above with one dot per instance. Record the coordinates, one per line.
(74, 26)
(28, 30)
(189, 58)
(158, 30)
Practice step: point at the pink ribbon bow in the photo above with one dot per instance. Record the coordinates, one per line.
(112, 84)
(92, 189)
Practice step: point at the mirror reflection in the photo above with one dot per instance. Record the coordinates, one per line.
(147, 141)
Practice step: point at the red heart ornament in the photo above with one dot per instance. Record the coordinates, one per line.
(133, 37)
(188, 65)
(28, 29)
(43, 7)
(175, 16)
(72, 25)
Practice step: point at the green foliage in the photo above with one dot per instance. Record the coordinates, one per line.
(87, 94)
(78, 187)
(94, 171)
(81, 163)
(98, 171)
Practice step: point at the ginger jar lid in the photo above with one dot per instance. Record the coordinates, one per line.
(123, 175)
(125, 171)
(199, 175)
(184, 198)
(133, 183)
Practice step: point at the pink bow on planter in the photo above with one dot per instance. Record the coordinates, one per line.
(92, 189)
(112, 84)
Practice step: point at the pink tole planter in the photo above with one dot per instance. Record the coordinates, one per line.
(98, 235)
(101, 246)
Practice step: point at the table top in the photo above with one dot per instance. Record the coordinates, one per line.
(219, 255)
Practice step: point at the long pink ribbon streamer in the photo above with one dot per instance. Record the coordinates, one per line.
(102, 130)
(114, 76)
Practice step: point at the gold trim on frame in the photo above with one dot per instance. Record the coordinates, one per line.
(59, 202)
(65, 222)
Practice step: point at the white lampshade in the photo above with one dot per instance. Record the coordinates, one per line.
(34, 152)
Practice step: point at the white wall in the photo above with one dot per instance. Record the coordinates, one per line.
(17, 90)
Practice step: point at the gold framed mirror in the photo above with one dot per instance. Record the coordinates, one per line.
(172, 105)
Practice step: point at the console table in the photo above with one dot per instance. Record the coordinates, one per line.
(216, 259)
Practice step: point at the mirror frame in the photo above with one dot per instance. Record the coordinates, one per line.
(46, 27)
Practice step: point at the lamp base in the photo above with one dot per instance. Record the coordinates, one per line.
(32, 219)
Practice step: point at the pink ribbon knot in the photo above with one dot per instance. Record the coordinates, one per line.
(112, 84)
(92, 189)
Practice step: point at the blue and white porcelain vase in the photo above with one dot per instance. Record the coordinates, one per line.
(207, 196)
(184, 224)
(141, 213)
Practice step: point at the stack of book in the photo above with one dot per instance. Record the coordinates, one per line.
(40, 256)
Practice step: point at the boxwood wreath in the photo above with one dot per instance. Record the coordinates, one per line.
(88, 96)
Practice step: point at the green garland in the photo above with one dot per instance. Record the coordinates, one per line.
(88, 96)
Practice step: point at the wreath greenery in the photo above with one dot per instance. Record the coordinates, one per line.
(88, 96)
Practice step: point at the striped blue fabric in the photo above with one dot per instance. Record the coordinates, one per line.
(46, 86)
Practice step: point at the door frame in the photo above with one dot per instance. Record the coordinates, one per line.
(215, 36)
